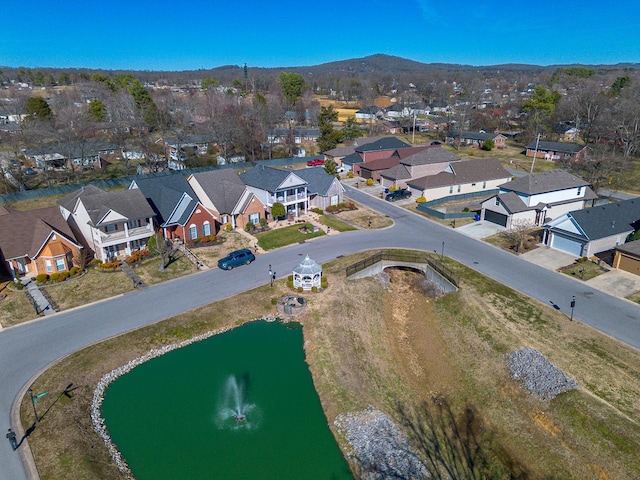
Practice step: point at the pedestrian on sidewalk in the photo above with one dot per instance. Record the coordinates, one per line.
(11, 435)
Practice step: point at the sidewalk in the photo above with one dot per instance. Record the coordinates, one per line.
(42, 303)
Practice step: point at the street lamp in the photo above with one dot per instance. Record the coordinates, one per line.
(33, 402)
(442, 256)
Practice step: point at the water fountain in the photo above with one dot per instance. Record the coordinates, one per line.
(233, 404)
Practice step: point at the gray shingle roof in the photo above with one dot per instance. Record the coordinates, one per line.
(128, 203)
(265, 178)
(563, 147)
(385, 143)
(398, 172)
(543, 182)
(607, 220)
(632, 248)
(472, 135)
(166, 195)
(429, 156)
(352, 159)
(224, 188)
(466, 171)
(318, 180)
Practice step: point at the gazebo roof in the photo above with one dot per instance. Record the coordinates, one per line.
(307, 267)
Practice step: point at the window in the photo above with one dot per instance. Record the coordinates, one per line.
(484, 184)
(137, 244)
(254, 218)
(134, 223)
(497, 201)
(111, 251)
(459, 187)
(224, 219)
(451, 189)
(110, 228)
(48, 265)
(206, 229)
(60, 264)
(473, 184)
(579, 190)
(193, 232)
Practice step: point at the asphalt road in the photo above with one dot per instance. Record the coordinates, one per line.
(27, 349)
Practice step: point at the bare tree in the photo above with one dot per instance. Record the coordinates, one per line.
(519, 232)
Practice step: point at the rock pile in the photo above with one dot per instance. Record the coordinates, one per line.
(382, 451)
(540, 377)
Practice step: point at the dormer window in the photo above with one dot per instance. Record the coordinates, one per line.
(497, 202)
(579, 190)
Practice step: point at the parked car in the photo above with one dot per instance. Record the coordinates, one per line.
(235, 259)
(398, 195)
(316, 162)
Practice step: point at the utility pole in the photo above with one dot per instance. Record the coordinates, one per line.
(535, 152)
(413, 136)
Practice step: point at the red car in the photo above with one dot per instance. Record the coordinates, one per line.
(316, 162)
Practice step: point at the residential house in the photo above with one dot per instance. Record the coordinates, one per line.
(373, 168)
(36, 241)
(323, 189)
(177, 209)
(87, 155)
(338, 153)
(188, 146)
(475, 139)
(421, 163)
(272, 185)
(298, 135)
(226, 196)
(383, 148)
(460, 178)
(557, 150)
(111, 224)
(594, 230)
(368, 113)
(627, 257)
(536, 199)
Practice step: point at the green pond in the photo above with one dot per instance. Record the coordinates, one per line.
(173, 417)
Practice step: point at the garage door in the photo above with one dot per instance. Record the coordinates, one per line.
(566, 245)
(495, 217)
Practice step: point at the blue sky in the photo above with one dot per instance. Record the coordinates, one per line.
(174, 35)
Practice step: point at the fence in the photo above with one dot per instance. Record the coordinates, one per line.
(124, 182)
(426, 206)
(417, 257)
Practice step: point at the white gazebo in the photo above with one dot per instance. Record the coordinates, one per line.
(307, 274)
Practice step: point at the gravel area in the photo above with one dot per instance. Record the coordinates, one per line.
(540, 377)
(381, 450)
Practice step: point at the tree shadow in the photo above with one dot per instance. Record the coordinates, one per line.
(455, 445)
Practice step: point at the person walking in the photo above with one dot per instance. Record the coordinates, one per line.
(11, 435)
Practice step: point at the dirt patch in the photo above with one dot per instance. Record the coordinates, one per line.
(364, 217)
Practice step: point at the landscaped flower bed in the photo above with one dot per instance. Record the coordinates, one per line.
(341, 207)
(57, 277)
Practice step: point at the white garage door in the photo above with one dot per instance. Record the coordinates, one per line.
(567, 245)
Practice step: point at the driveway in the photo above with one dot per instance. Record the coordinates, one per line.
(616, 282)
(549, 258)
(480, 229)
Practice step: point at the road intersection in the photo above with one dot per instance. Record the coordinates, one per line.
(27, 349)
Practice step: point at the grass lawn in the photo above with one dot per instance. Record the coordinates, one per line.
(634, 297)
(15, 307)
(335, 224)
(149, 269)
(381, 341)
(583, 270)
(281, 237)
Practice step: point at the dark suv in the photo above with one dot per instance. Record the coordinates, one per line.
(235, 259)
(397, 195)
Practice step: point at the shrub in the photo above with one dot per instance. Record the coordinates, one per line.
(488, 145)
(465, 209)
(369, 182)
(74, 271)
(332, 208)
(300, 290)
(274, 301)
(317, 210)
(324, 282)
(393, 188)
(290, 283)
(18, 285)
(349, 174)
(212, 238)
(54, 277)
(290, 278)
(63, 276)
(42, 278)
(228, 227)
(582, 260)
(249, 227)
(110, 265)
(314, 289)
(421, 199)
(263, 222)
(278, 210)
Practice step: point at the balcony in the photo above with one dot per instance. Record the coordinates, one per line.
(284, 199)
(129, 234)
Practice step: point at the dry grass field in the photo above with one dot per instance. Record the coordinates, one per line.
(383, 341)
